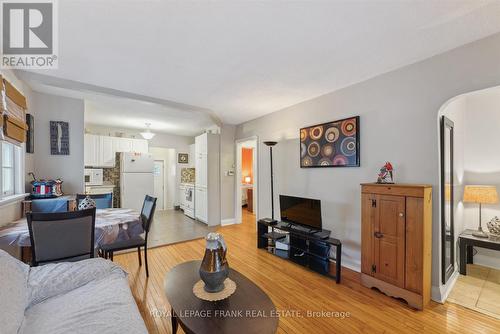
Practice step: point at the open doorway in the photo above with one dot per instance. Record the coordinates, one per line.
(470, 194)
(246, 181)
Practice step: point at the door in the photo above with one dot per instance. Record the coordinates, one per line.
(159, 187)
(389, 239)
(368, 211)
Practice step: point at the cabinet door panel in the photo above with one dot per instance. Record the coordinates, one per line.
(390, 239)
(368, 212)
(91, 150)
(414, 244)
(201, 204)
(201, 172)
(107, 152)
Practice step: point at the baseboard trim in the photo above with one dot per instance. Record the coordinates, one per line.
(441, 293)
(226, 222)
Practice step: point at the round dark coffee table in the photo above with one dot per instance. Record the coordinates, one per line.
(248, 310)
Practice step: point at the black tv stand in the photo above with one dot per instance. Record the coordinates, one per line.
(307, 247)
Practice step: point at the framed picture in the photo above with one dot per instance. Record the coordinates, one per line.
(333, 144)
(59, 138)
(183, 158)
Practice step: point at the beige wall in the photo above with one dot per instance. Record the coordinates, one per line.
(398, 113)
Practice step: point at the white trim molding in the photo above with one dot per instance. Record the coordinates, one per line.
(12, 199)
(226, 222)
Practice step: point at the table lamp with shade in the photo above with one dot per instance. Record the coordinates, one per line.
(481, 195)
(248, 179)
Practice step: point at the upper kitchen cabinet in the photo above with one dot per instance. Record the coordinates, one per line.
(100, 151)
(107, 152)
(91, 151)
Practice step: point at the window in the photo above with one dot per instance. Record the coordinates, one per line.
(7, 169)
(11, 160)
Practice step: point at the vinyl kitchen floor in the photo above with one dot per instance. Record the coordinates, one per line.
(479, 290)
(172, 226)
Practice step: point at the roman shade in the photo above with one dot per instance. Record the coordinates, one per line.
(13, 112)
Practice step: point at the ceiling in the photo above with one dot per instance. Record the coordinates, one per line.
(111, 110)
(244, 59)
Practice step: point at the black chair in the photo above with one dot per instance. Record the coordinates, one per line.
(147, 213)
(61, 236)
(102, 201)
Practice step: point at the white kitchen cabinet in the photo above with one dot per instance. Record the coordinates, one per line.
(192, 156)
(207, 177)
(107, 152)
(201, 204)
(201, 170)
(201, 144)
(100, 151)
(91, 150)
(123, 145)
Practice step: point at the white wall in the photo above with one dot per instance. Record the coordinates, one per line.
(482, 160)
(398, 123)
(67, 167)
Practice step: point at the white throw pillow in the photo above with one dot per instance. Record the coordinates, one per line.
(13, 292)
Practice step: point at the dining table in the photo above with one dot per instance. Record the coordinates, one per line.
(112, 224)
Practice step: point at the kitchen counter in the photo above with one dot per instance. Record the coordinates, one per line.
(104, 185)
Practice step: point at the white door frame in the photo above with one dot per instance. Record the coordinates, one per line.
(255, 171)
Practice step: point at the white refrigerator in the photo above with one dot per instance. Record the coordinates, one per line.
(136, 179)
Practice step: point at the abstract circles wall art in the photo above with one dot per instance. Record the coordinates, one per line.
(333, 144)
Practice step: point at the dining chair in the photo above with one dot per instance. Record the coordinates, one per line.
(49, 205)
(102, 201)
(147, 213)
(61, 236)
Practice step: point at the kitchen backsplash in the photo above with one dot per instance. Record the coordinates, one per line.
(187, 175)
(112, 175)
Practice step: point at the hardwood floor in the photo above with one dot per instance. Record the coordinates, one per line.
(293, 288)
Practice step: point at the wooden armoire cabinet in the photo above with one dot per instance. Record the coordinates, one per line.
(396, 240)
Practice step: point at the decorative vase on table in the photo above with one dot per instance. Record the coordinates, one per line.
(214, 268)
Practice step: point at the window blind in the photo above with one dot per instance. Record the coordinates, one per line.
(13, 105)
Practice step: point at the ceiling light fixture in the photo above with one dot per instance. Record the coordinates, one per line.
(147, 134)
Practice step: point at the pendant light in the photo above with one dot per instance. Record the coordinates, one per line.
(147, 134)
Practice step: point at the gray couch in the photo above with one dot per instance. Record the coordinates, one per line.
(90, 296)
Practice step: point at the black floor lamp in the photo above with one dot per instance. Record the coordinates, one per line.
(271, 144)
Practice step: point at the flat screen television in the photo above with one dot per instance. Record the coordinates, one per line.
(301, 211)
